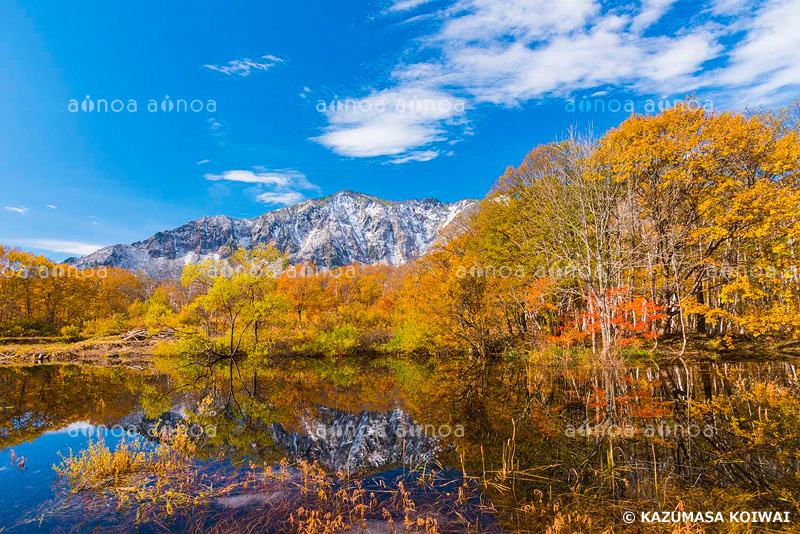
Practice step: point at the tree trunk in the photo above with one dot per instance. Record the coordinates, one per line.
(701, 317)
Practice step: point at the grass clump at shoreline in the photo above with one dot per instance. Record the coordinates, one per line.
(166, 488)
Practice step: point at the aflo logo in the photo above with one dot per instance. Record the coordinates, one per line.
(167, 105)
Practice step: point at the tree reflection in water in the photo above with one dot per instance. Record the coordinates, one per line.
(542, 445)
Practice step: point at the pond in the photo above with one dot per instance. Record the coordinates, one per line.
(390, 445)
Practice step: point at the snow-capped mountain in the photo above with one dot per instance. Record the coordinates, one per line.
(333, 231)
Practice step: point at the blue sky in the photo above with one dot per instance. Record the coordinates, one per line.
(435, 98)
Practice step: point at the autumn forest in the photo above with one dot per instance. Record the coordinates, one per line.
(672, 226)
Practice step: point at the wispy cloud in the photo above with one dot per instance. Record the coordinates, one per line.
(246, 66)
(766, 64)
(51, 206)
(406, 5)
(203, 161)
(508, 53)
(54, 245)
(281, 187)
(421, 155)
(280, 177)
(513, 52)
(280, 199)
(391, 122)
(22, 210)
(214, 124)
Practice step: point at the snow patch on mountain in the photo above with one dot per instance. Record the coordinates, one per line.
(334, 231)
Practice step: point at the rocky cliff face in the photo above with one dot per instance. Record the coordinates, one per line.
(333, 231)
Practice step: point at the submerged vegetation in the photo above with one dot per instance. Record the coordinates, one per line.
(167, 487)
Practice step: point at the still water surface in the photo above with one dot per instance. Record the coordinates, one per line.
(381, 420)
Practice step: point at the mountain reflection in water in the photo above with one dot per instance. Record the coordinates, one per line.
(525, 430)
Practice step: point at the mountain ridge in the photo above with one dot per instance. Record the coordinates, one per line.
(333, 231)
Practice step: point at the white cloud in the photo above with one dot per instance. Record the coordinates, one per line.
(421, 155)
(513, 52)
(278, 177)
(728, 7)
(651, 11)
(22, 210)
(55, 245)
(244, 67)
(272, 186)
(766, 64)
(391, 122)
(682, 57)
(52, 207)
(489, 22)
(406, 5)
(508, 53)
(281, 199)
(203, 161)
